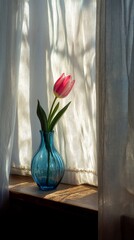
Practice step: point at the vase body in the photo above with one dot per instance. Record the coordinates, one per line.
(47, 165)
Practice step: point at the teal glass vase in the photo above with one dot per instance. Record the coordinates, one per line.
(47, 165)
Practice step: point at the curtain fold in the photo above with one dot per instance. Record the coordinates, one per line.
(115, 118)
(56, 41)
(11, 13)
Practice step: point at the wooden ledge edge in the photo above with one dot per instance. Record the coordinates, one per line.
(83, 196)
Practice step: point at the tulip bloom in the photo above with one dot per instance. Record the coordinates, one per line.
(61, 89)
(63, 86)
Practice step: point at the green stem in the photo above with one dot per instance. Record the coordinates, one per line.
(51, 109)
(48, 169)
(48, 148)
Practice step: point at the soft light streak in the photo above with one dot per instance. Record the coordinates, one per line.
(24, 126)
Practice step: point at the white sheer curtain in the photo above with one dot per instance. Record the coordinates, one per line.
(58, 36)
(10, 34)
(115, 88)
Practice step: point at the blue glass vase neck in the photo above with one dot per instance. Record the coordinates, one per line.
(47, 137)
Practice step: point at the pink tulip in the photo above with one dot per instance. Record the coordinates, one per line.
(63, 86)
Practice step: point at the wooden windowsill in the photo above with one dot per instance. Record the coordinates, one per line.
(82, 197)
(73, 209)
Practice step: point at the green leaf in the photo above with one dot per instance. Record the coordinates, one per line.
(57, 117)
(42, 117)
(52, 114)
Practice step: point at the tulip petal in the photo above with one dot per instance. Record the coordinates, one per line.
(67, 90)
(63, 86)
(59, 81)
